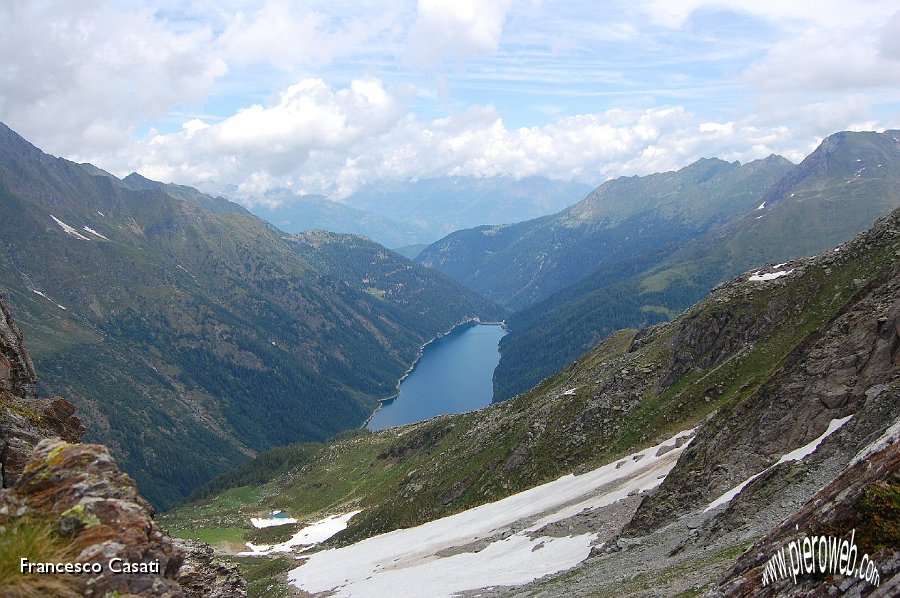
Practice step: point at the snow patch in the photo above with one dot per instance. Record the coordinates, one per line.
(807, 449)
(314, 533)
(761, 206)
(769, 275)
(439, 558)
(797, 454)
(260, 522)
(890, 436)
(183, 269)
(68, 228)
(37, 292)
(95, 233)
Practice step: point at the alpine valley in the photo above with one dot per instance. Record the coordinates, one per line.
(192, 335)
(672, 460)
(703, 366)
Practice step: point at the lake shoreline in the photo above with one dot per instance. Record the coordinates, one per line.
(468, 322)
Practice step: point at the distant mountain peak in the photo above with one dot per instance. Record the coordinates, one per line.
(136, 180)
(840, 155)
(13, 144)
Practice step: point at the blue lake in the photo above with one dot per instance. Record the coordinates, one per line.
(454, 375)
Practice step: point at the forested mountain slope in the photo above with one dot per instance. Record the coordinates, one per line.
(836, 192)
(623, 220)
(191, 334)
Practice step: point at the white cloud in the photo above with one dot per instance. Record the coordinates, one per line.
(315, 139)
(287, 33)
(821, 13)
(263, 146)
(82, 74)
(458, 29)
(327, 95)
(833, 59)
(889, 45)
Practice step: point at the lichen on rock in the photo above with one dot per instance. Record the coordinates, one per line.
(86, 507)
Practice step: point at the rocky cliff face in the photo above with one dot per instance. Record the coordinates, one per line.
(840, 369)
(93, 510)
(24, 419)
(16, 370)
(864, 500)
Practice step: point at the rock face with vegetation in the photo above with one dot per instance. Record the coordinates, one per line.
(16, 370)
(24, 419)
(864, 498)
(68, 502)
(842, 366)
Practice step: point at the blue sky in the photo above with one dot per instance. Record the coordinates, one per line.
(325, 96)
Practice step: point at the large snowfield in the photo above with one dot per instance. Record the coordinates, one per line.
(496, 544)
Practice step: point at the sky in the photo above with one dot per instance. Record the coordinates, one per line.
(328, 96)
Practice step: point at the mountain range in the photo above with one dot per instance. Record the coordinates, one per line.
(522, 263)
(662, 462)
(682, 404)
(192, 334)
(639, 250)
(414, 213)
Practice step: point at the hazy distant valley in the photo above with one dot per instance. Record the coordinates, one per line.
(413, 213)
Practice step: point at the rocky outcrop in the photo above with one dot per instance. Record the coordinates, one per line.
(98, 513)
(92, 508)
(16, 370)
(831, 374)
(863, 503)
(24, 423)
(24, 419)
(202, 576)
(79, 488)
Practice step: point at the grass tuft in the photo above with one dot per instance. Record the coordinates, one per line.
(38, 542)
